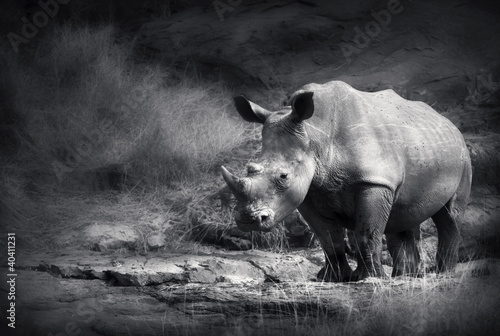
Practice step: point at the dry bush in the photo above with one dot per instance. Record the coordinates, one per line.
(22, 212)
(194, 130)
(87, 105)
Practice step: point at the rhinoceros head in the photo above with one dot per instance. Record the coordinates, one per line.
(278, 181)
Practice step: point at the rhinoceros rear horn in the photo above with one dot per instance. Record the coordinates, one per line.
(233, 182)
(302, 106)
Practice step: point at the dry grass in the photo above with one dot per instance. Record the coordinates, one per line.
(193, 132)
(427, 306)
(464, 304)
(86, 104)
(20, 212)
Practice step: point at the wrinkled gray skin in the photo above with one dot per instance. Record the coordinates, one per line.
(373, 163)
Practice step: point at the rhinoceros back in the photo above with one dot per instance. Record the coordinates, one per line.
(382, 138)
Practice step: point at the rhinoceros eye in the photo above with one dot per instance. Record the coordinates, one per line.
(282, 181)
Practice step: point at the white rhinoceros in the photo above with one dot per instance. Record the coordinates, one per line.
(371, 162)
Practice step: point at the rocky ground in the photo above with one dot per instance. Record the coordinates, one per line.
(239, 293)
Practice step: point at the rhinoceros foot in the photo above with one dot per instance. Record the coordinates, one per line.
(362, 272)
(328, 274)
(408, 268)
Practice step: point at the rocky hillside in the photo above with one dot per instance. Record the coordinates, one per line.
(431, 51)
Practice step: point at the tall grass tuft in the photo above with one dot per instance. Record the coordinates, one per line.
(88, 105)
(194, 129)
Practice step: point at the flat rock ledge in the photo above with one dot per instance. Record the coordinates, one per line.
(231, 293)
(253, 267)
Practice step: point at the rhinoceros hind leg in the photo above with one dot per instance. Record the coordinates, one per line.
(404, 251)
(448, 237)
(448, 220)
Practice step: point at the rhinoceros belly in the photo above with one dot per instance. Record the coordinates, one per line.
(433, 164)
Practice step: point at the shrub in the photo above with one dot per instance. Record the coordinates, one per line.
(80, 104)
(88, 105)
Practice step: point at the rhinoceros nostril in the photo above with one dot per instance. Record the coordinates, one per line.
(264, 216)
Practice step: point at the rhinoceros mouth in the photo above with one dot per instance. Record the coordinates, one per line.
(262, 220)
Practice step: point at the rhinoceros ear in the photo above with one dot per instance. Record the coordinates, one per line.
(302, 106)
(250, 111)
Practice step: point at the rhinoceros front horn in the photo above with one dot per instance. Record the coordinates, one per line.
(234, 183)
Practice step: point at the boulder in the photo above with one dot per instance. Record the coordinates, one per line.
(168, 268)
(102, 237)
(156, 241)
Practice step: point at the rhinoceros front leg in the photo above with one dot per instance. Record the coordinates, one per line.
(336, 267)
(404, 252)
(372, 208)
(331, 237)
